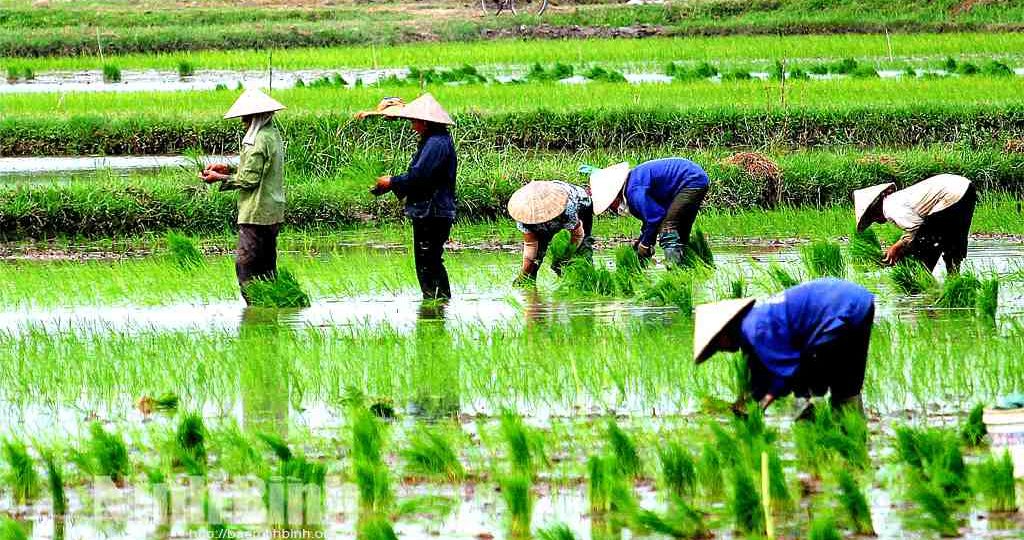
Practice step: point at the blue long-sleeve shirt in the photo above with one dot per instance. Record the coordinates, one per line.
(653, 185)
(782, 331)
(429, 185)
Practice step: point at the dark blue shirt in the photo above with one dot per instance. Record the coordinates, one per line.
(653, 185)
(429, 185)
(780, 332)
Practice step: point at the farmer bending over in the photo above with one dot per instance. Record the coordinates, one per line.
(541, 210)
(259, 180)
(665, 194)
(935, 215)
(808, 340)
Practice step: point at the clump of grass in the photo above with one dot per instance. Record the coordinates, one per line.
(678, 470)
(556, 73)
(737, 288)
(294, 470)
(995, 68)
(558, 531)
(598, 73)
(283, 291)
(911, 277)
(55, 481)
(973, 431)
(673, 288)
(832, 436)
(374, 486)
(865, 249)
(186, 68)
(935, 458)
(21, 478)
(525, 447)
(12, 530)
(824, 528)
(515, 490)
(624, 449)
(363, 168)
(959, 291)
(108, 455)
(431, 455)
(111, 73)
(627, 262)
(988, 298)
(191, 441)
(854, 503)
(745, 502)
(823, 258)
(993, 479)
(184, 251)
(781, 277)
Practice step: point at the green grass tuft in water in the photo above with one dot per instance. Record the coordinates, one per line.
(678, 470)
(375, 528)
(910, 277)
(516, 492)
(107, 455)
(12, 530)
(865, 250)
(973, 431)
(679, 521)
(824, 527)
(624, 449)
(282, 292)
(558, 531)
(781, 277)
(745, 502)
(184, 251)
(525, 447)
(960, 291)
(673, 288)
(993, 479)
(191, 444)
(560, 249)
(988, 299)
(697, 251)
(823, 259)
(55, 481)
(853, 502)
(430, 454)
(21, 477)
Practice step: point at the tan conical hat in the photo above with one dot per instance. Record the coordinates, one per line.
(386, 105)
(537, 202)
(253, 101)
(424, 108)
(605, 185)
(710, 320)
(864, 199)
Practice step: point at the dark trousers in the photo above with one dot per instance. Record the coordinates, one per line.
(428, 237)
(256, 255)
(586, 248)
(837, 367)
(675, 229)
(945, 233)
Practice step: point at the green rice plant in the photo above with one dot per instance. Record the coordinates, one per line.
(363, 168)
(967, 68)
(374, 485)
(845, 66)
(911, 277)
(627, 262)
(698, 251)
(993, 479)
(995, 68)
(823, 527)
(12, 530)
(935, 457)
(375, 528)
(283, 291)
(581, 278)
(159, 488)
(598, 73)
(108, 455)
(55, 481)
(823, 259)
(186, 69)
(959, 291)
(13, 73)
(602, 473)
(680, 521)
(745, 502)
(558, 531)
(431, 455)
(778, 487)
(367, 437)
(832, 436)
(678, 470)
(781, 277)
(525, 447)
(864, 72)
(673, 288)
(864, 249)
(973, 431)
(737, 288)
(988, 299)
(21, 477)
(710, 471)
(853, 502)
(111, 73)
(516, 492)
(294, 470)
(276, 445)
(934, 512)
(191, 443)
(741, 377)
(624, 449)
(561, 250)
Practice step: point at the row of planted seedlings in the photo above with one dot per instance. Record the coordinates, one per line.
(677, 477)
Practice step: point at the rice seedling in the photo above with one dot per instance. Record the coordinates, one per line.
(741, 378)
(296, 475)
(21, 477)
(911, 277)
(431, 455)
(516, 492)
(184, 251)
(165, 403)
(864, 249)
(823, 259)
(959, 291)
(673, 288)
(823, 527)
(988, 299)
(525, 447)
(745, 502)
(111, 73)
(561, 250)
(12, 530)
(934, 511)
(186, 69)
(276, 445)
(363, 168)
(627, 458)
(374, 486)
(602, 475)
(737, 288)
(781, 277)
(558, 531)
(680, 521)
(995, 68)
(627, 262)
(283, 291)
(160, 490)
(678, 470)
(107, 455)
(191, 444)
(698, 251)
(973, 432)
(853, 502)
(710, 472)
(581, 278)
(935, 457)
(375, 528)
(598, 73)
(55, 481)
(993, 479)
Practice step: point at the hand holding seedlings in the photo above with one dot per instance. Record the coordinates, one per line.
(894, 254)
(382, 186)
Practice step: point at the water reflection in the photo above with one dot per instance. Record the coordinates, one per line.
(435, 370)
(265, 372)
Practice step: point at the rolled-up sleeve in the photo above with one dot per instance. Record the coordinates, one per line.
(433, 153)
(250, 172)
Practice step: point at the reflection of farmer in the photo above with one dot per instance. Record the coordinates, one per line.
(541, 210)
(435, 368)
(810, 339)
(259, 180)
(935, 215)
(665, 194)
(428, 189)
(264, 377)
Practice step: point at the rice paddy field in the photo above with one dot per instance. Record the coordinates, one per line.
(142, 398)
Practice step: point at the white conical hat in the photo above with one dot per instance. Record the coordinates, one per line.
(252, 101)
(711, 319)
(424, 108)
(537, 202)
(605, 185)
(864, 199)
(386, 105)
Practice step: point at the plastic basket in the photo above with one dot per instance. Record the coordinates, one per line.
(1006, 431)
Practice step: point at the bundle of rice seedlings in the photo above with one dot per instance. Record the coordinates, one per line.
(624, 449)
(854, 503)
(865, 250)
(191, 439)
(973, 431)
(581, 277)
(184, 251)
(762, 170)
(830, 437)
(160, 490)
(111, 73)
(935, 457)
(21, 477)
(147, 404)
(823, 259)
(781, 276)
(680, 521)
(276, 445)
(993, 479)
(186, 68)
(525, 448)
(698, 251)
(824, 528)
(737, 288)
(777, 485)
(515, 490)
(363, 168)
(375, 528)
(602, 474)
(627, 262)
(431, 455)
(678, 470)
(960, 291)
(988, 299)
(742, 383)
(108, 455)
(558, 531)
(367, 437)
(374, 486)
(710, 469)
(283, 291)
(295, 470)
(911, 277)
(934, 510)
(561, 250)
(55, 480)
(673, 288)
(745, 502)
(12, 530)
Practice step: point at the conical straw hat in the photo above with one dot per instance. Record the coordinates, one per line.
(537, 202)
(864, 199)
(424, 108)
(386, 105)
(710, 320)
(253, 101)
(605, 185)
